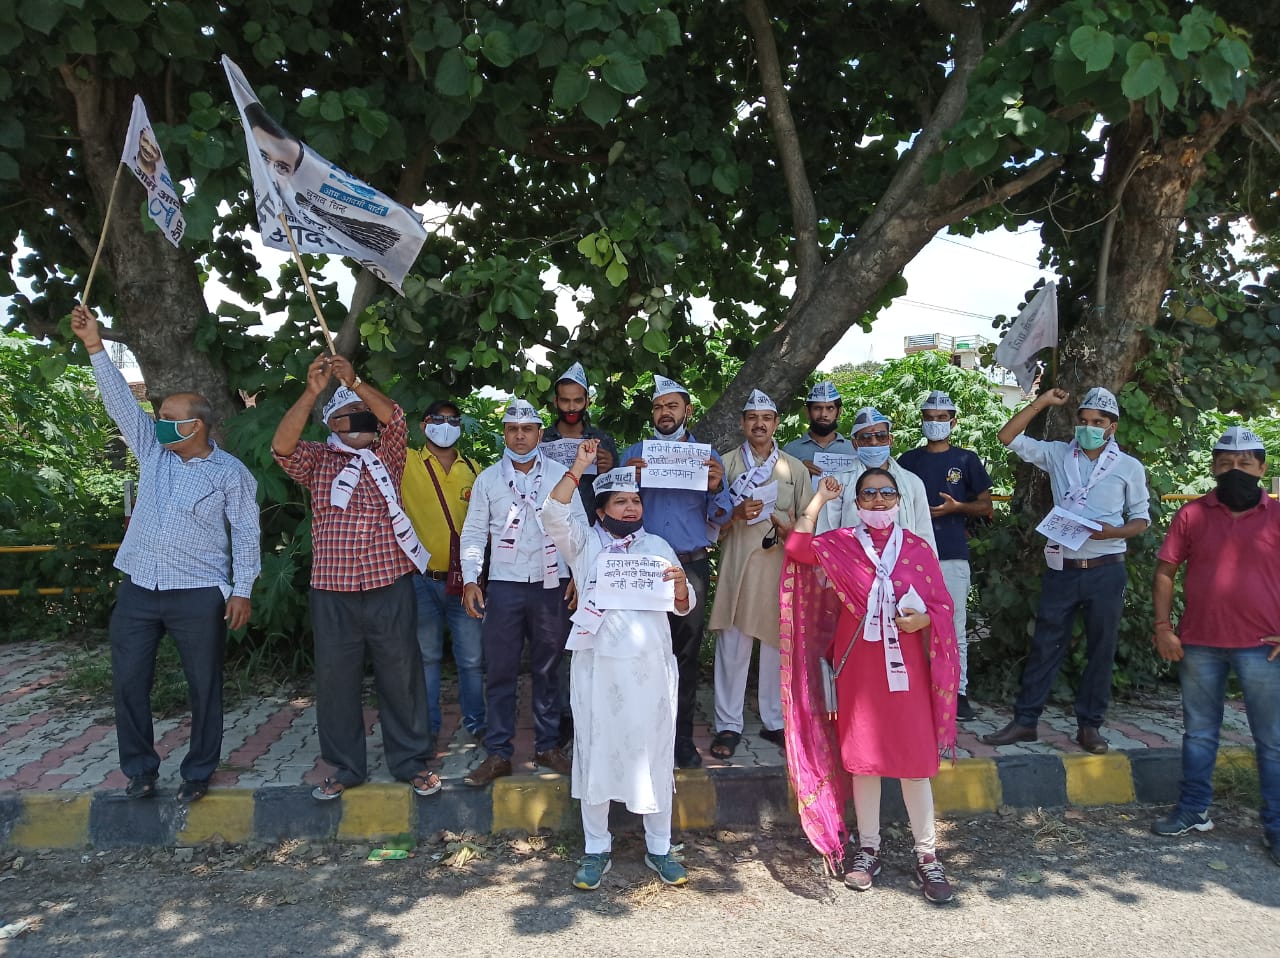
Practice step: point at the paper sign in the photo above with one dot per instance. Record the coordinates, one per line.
(634, 582)
(830, 462)
(674, 465)
(565, 451)
(1067, 528)
(768, 495)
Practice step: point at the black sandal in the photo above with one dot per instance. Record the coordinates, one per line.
(192, 791)
(776, 736)
(141, 786)
(725, 744)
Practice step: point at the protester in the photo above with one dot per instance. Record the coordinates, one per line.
(1228, 540)
(688, 520)
(624, 674)
(178, 576)
(1090, 477)
(573, 422)
(436, 489)
(524, 603)
(959, 489)
(364, 558)
(746, 606)
(884, 626)
(822, 407)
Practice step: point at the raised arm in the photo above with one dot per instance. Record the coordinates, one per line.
(1016, 426)
(285, 441)
(138, 429)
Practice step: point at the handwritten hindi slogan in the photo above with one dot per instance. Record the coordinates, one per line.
(674, 465)
(1067, 528)
(565, 451)
(633, 582)
(831, 463)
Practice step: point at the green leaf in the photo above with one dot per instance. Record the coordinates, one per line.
(331, 107)
(1145, 72)
(570, 86)
(1168, 92)
(616, 272)
(177, 20)
(12, 134)
(725, 178)
(1094, 47)
(448, 33)
(616, 151)
(655, 341)
(624, 73)
(452, 76)
(1235, 52)
(601, 103)
(128, 11)
(1218, 78)
(374, 121)
(40, 15)
(8, 167)
(499, 49)
(82, 39)
(979, 150)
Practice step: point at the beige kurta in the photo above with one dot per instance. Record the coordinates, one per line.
(748, 575)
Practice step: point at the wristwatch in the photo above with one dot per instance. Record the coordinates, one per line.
(356, 383)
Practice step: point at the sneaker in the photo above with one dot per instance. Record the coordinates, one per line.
(669, 870)
(964, 711)
(591, 868)
(933, 880)
(860, 872)
(1180, 821)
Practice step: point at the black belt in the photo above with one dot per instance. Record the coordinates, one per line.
(438, 576)
(697, 555)
(1093, 563)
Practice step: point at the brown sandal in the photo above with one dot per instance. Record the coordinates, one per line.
(426, 783)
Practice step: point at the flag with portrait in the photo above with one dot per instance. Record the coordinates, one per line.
(142, 155)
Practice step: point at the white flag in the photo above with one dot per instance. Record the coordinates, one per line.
(1035, 328)
(142, 155)
(328, 210)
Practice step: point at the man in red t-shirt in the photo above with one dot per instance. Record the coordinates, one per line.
(1228, 540)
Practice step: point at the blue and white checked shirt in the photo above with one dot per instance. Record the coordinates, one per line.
(178, 536)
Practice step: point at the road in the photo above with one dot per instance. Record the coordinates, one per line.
(1092, 883)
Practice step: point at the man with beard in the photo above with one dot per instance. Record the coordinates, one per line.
(573, 422)
(823, 406)
(688, 519)
(1228, 540)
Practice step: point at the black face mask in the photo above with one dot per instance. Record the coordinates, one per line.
(823, 429)
(621, 528)
(359, 422)
(1238, 491)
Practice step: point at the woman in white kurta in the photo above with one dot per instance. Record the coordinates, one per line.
(623, 674)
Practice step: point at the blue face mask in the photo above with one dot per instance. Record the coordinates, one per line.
(873, 456)
(529, 456)
(1090, 437)
(167, 432)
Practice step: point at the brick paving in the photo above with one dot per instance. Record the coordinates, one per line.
(49, 745)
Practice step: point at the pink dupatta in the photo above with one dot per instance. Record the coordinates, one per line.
(810, 612)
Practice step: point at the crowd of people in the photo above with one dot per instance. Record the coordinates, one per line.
(847, 566)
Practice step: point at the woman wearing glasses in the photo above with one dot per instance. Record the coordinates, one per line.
(870, 600)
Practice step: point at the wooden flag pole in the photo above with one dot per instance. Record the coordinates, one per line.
(306, 282)
(102, 238)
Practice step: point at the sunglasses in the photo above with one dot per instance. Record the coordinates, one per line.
(869, 495)
(451, 420)
(875, 437)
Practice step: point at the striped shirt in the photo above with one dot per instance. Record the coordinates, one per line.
(190, 514)
(352, 549)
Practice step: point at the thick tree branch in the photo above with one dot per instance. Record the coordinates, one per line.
(804, 213)
(1007, 190)
(79, 232)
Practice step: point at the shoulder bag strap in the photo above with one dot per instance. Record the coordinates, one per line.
(448, 516)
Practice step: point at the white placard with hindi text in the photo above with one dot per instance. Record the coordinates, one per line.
(1067, 528)
(674, 465)
(768, 495)
(830, 462)
(634, 582)
(565, 451)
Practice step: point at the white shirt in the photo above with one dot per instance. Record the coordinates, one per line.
(913, 503)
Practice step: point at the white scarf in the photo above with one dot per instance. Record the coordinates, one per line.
(588, 617)
(530, 501)
(1076, 497)
(882, 606)
(344, 484)
(754, 476)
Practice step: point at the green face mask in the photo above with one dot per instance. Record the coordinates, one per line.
(167, 431)
(1090, 437)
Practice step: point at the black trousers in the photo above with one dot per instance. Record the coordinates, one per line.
(383, 623)
(140, 619)
(686, 641)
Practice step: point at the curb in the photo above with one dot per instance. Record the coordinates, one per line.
(734, 798)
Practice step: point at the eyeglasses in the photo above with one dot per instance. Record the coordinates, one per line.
(451, 420)
(875, 438)
(870, 495)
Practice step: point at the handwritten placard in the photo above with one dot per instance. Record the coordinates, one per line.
(674, 465)
(634, 582)
(830, 462)
(565, 451)
(1067, 528)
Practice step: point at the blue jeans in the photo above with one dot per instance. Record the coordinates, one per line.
(1203, 674)
(436, 610)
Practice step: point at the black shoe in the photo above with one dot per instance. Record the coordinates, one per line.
(964, 711)
(141, 786)
(687, 755)
(775, 736)
(190, 792)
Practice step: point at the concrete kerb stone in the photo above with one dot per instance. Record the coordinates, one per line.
(734, 798)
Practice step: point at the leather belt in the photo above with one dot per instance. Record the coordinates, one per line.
(1093, 563)
(697, 555)
(437, 576)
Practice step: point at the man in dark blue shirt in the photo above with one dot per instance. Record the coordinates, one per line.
(958, 487)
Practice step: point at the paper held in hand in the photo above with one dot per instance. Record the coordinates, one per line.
(768, 495)
(634, 582)
(565, 451)
(830, 462)
(1067, 528)
(674, 465)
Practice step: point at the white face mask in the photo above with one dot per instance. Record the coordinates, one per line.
(936, 431)
(443, 434)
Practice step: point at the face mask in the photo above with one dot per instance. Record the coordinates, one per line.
(621, 528)
(936, 431)
(167, 432)
(358, 422)
(1090, 437)
(879, 519)
(674, 436)
(822, 428)
(443, 434)
(572, 418)
(1238, 491)
(529, 456)
(873, 456)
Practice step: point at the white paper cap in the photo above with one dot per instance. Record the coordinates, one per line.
(622, 479)
(868, 416)
(1100, 399)
(575, 374)
(342, 397)
(519, 411)
(938, 400)
(758, 401)
(662, 385)
(824, 391)
(1238, 439)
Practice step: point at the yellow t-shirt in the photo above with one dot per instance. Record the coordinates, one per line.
(422, 504)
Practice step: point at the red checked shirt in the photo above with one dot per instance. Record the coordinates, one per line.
(353, 549)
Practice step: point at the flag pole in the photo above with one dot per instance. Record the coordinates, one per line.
(102, 237)
(306, 282)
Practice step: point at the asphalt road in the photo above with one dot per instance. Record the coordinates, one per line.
(1093, 883)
